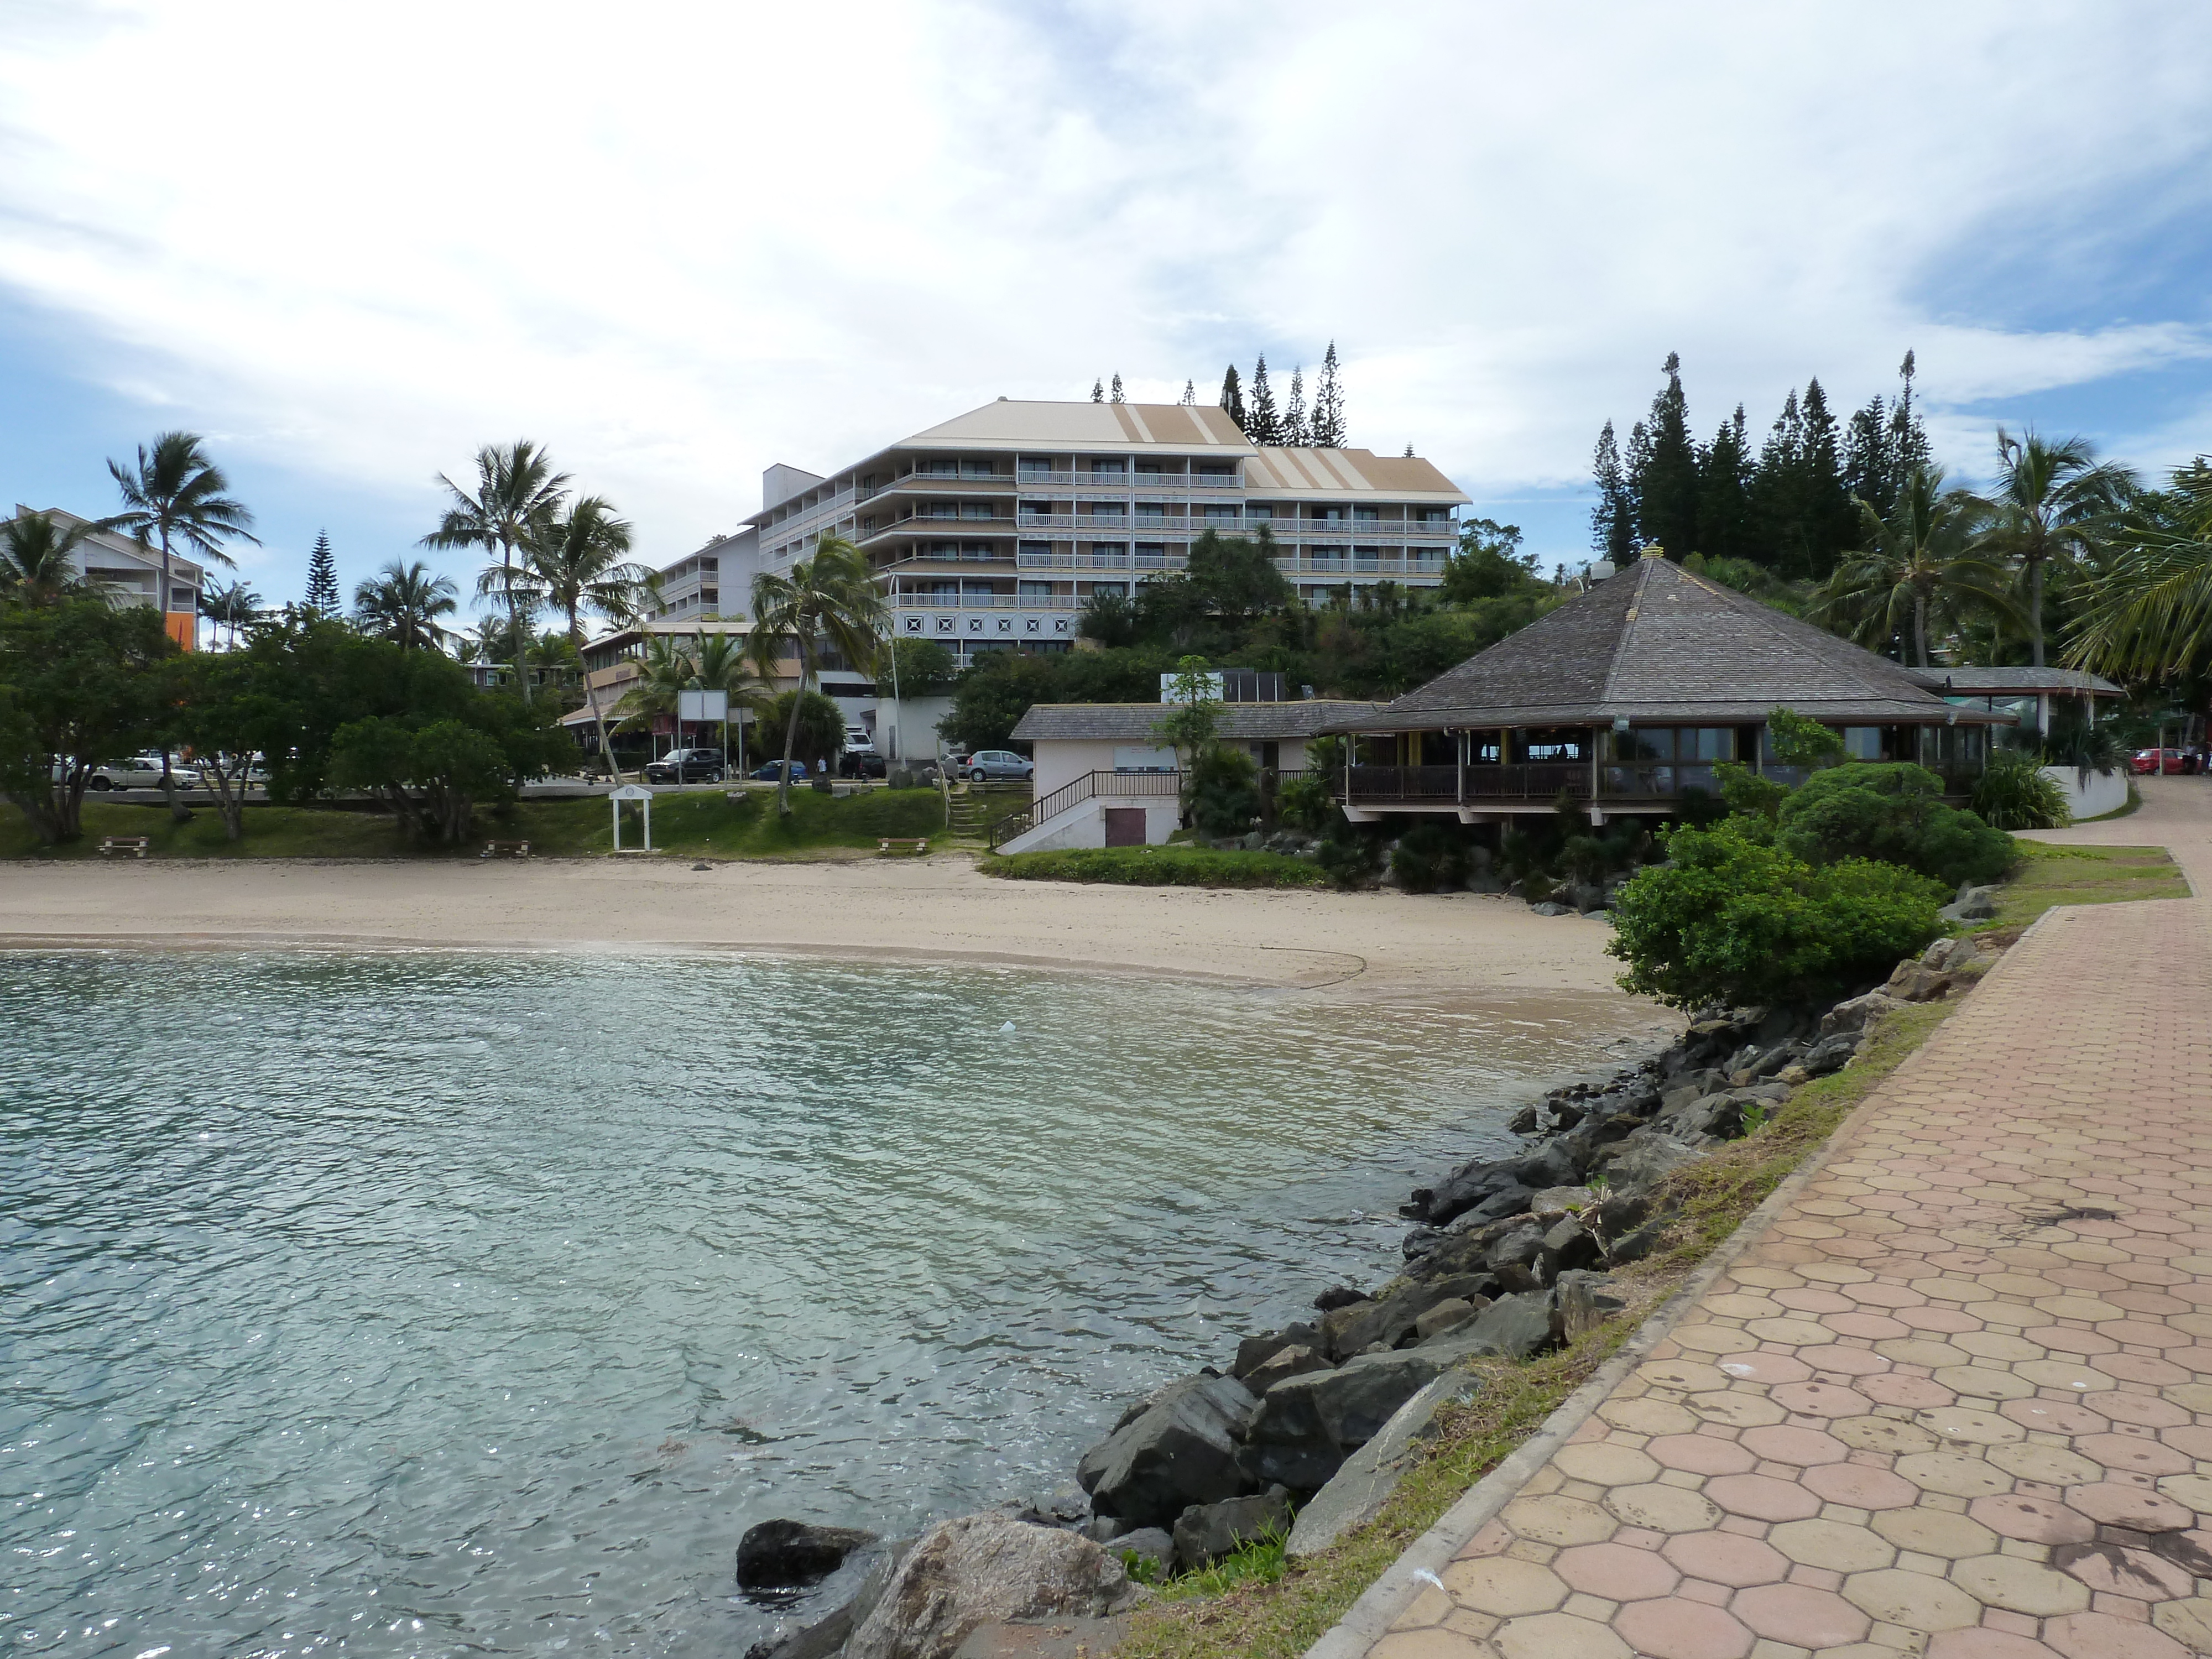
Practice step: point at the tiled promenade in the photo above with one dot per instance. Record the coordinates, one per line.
(1957, 1400)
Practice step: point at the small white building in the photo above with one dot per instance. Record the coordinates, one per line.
(1105, 777)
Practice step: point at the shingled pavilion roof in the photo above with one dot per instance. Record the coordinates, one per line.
(1659, 645)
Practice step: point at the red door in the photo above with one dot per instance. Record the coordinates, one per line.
(1125, 826)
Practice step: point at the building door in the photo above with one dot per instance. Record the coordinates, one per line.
(1125, 826)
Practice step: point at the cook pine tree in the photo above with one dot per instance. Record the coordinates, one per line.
(322, 595)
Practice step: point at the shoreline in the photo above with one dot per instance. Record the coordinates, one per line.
(1448, 949)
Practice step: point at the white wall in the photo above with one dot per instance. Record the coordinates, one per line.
(1084, 824)
(1061, 760)
(2103, 792)
(919, 716)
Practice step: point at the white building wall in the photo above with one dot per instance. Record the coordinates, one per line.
(2103, 792)
(1084, 825)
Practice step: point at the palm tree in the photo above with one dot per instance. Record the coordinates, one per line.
(721, 664)
(35, 557)
(403, 604)
(578, 563)
(665, 668)
(2052, 504)
(176, 493)
(832, 596)
(1916, 564)
(517, 493)
(2150, 612)
(232, 607)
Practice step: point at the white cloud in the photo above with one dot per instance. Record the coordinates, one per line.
(677, 242)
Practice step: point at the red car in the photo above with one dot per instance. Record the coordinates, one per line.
(2164, 761)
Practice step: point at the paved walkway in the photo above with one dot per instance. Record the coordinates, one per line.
(1957, 1400)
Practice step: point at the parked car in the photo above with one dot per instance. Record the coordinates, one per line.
(862, 764)
(136, 772)
(773, 770)
(986, 765)
(2164, 760)
(686, 766)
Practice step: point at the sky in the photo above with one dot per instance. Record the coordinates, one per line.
(676, 242)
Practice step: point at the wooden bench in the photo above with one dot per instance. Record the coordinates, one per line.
(137, 846)
(512, 849)
(913, 847)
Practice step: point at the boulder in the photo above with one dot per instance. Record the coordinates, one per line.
(1255, 1350)
(1557, 1201)
(1715, 1117)
(1306, 1427)
(1205, 1532)
(1355, 1494)
(1525, 1121)
(1857, 1013)
(1511, 1200)
(1449, 1315)
(1180, 1451)
(1511, 1259)
(1338, 1296)
(1387, 1319)
(1975, 903)
(981, 1569)
(1155, 1544)
(1581, 1301)
(1511, 1327)
(1548, 909)
(1638, 1243)
(1281, 1366)
(1553, 1165)
(1338, 1323)
(827, 1636)
(1568, 1244)
(1949, 956)
(1916, 983)
(1644, 1159)
(1829, 1053)
(783, 1554)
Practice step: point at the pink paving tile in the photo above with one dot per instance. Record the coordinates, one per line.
(1724, 1557)
(1860, 1486)
(1676, 1629)
(2101, 1636)
(1821, 1400)
(1844, 1361)
(1699, 1453)
(2145, 1410)
(1876, 1326)
(1616, 1573)
(1787, 1443)
(1799, 1614)
(1983, 1643)
(2033, 1519)
(1762, 1497)
(1896, 1388)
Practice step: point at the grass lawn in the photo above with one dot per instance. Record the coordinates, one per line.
(1159, 867)
(690, 825)
(2049, 875)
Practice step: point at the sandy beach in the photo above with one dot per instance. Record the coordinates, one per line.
(1341, 946)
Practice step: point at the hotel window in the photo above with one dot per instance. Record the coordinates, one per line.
(1033, 593)
(1036, 550)
(1214, 470)
(1107, 469)
(1216, 513)
(937, 469)
(1151, 512)
(710, 564)
(1120, 589)
(978, 550)
(977, 510)
(1863, 742)
(1367, 514)
(1036, 509)
(1034, 467)
(1148, 469)
(977, 469)
(1104, 510)
(710, 596)
(1259, 511)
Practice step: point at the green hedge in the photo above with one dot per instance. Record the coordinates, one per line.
(1159, 867)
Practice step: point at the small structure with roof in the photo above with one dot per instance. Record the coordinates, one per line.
(2028, 694)
(1625, 697)
(1105, 776)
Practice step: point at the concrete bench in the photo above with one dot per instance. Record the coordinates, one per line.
(911, 846)
(511, 850)
(137, 846)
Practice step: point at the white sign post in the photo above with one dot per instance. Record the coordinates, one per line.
(636, 791)
(701, 707)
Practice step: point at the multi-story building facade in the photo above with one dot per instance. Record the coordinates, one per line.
(130, 572)
(997, 527)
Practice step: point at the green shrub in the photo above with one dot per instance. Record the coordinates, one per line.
(2012, 793)
(1747, 794)
(1224, 792)
(1432, 855)
(1303, 803)
(1729, 919)
(1351, 854)
(1893, 811)
(1799, 740)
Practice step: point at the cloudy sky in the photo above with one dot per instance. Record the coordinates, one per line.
(678, 241)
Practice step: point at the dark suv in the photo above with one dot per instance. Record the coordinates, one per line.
(686, 766)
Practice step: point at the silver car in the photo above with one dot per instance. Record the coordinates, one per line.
(988, 765)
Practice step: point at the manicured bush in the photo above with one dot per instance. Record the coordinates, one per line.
(2012, 793)
(1730, 919)
(1894, 813)
(1351, 854)
(1303, 803)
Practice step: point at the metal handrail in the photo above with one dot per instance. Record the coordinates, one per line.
(1079, 790)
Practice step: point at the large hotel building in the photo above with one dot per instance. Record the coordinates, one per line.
(994, 528)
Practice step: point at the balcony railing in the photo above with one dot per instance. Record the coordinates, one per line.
(1520, 781)
(984, 602)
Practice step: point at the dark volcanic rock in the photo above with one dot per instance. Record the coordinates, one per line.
(1255, 1350)
(784, 1554)
(1180, 1451)
(1205, 1532)
(1339, 1295)
(1515, 1327)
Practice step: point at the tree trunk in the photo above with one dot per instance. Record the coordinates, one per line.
(592, 696)
(1920, 627)
(514, 627)
(791, 732)
(2035, 608)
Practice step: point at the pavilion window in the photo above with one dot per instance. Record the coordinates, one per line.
(1862, 743)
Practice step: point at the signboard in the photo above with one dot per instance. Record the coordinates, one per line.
(702, 705)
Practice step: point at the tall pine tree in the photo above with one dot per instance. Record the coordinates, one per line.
(1725, 530)
(323, 577)
(1232, 399)
(1189, 393)
(1831, 522)
(1294, 416)
(1613, 520)
(1117, 398)
(1327, 427)
(1664, 475)
(1099, 392)
(1266, 426)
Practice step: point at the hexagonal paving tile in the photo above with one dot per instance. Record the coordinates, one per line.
(2018, 1586)
(1933, 1532)
(1913, 1599)
(1833, 1544)
(1680, 1629)
(1503, 1586)
(1558, 1636)
(1663, 1509)
(1801, 1615)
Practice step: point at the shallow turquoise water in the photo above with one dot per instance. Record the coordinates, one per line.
(440, 1304)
